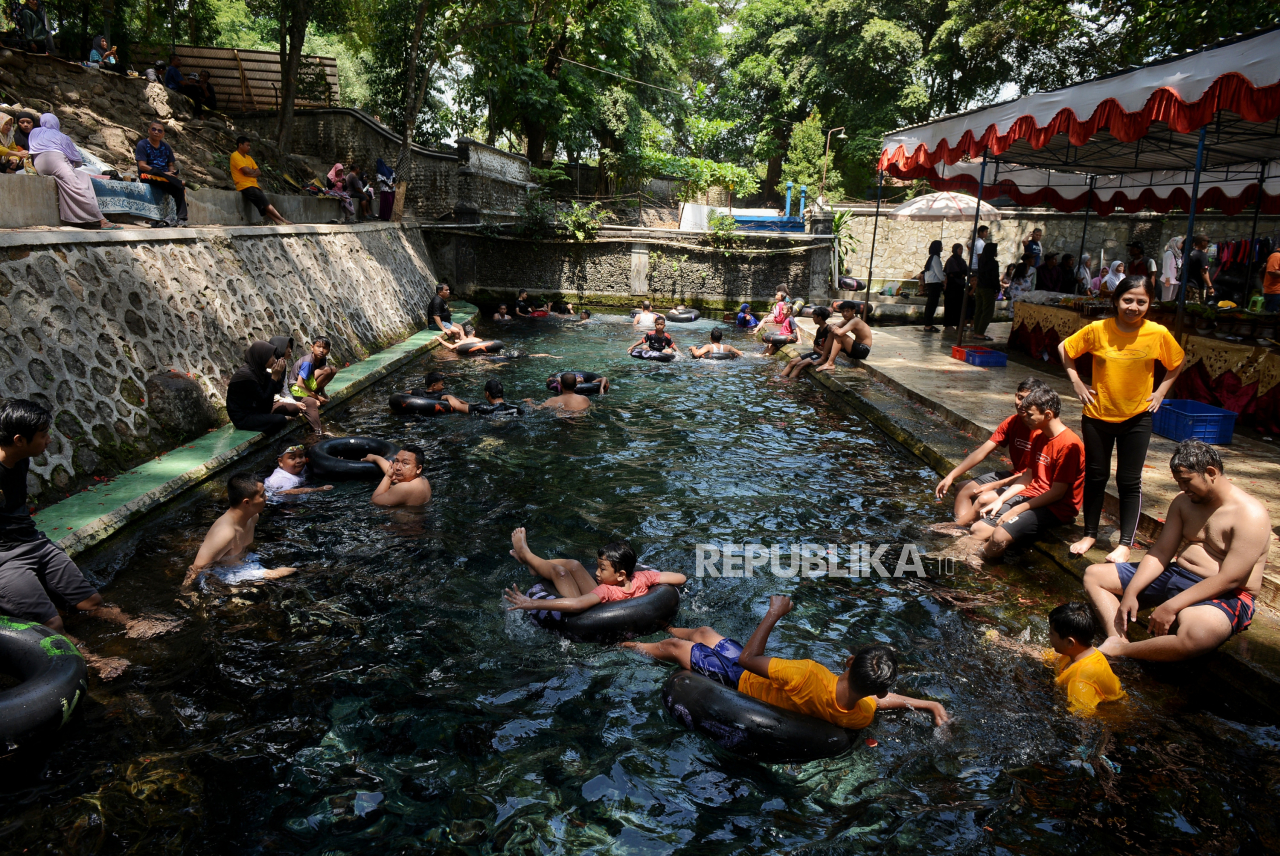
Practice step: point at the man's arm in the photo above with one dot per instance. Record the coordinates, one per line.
(752, 657)
(893, 701)
(976, 457)
(298, 491)
(1154, 563)
(1249, 538)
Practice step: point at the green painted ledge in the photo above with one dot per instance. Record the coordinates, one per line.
(93, 515)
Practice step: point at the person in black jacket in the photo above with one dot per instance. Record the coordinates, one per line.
(957, 273)
(984, 296)
(251, 394)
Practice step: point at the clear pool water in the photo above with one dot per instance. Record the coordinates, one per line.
(382, 700)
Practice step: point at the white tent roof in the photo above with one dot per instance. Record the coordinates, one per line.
(943, 206)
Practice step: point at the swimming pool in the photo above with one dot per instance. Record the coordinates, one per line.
(383, 701)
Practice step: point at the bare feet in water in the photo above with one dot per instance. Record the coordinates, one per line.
(1083, 546)
(146, 628)
(108, 668)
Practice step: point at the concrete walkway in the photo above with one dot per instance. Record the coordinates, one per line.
(940, 409)
(89, 517)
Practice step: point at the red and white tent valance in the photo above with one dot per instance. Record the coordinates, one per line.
(1239, 79)
(1228, 189)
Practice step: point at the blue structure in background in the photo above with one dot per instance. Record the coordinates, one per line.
(785, 223)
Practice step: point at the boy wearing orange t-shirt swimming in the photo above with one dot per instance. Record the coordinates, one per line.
(848, 700)
(1079, 668)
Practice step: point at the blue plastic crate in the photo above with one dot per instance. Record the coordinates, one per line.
(1181, 419)
(985, 357)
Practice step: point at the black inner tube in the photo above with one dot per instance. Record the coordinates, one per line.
(719, 355)
(339, 457)
(52, 676)
(589, 383)
(609, 622)
(683, 316)
(747, 726)
(418, 405)
(492, 346)
(777, 339)
(655, 356)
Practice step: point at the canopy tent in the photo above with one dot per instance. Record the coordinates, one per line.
(943, 206)
(1138, 138)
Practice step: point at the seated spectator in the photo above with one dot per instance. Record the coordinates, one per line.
(25, 124)
(34, 25)
(355, 189)
(158, 168)
(337, 184)
(53, 153)
(253, 394)
(12, 155)
(104, 55)
(207, 92)
(173, 79)
(311, 373)
(245, 173)
(156, 73)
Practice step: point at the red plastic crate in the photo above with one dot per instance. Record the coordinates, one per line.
(957, 353)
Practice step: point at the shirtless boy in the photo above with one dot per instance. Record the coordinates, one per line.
(616, 578)
(403, 483)
(1203, 571)
(225, 551)
(850, 335)
(501, 314)
(804, 686)
(568, 400)
(715, 346)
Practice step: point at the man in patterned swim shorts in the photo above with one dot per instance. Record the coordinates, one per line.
(1202, 573)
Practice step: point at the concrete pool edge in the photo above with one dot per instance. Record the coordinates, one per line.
(88, 518)
(1250, 661)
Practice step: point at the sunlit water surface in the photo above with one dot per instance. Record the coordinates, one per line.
(382, 700)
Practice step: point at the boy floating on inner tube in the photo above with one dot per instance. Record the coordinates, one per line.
(494, 404)
(850, 335)
(568, 400)
(403, 482)
(714, 347)
(797, 365)
(616, 578)
(804, 686)
(658, 340)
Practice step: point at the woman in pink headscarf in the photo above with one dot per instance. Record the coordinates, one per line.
(336, 184)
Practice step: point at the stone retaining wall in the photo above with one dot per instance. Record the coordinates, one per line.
(626, 266)
(87, 319)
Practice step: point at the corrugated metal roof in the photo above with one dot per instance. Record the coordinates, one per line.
(249, 79)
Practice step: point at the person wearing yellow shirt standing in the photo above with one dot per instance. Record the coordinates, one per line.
(245, 172)
(848, 700)
(1079, 668)
(1118, 407)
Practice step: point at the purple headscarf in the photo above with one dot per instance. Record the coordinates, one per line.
(48, 138)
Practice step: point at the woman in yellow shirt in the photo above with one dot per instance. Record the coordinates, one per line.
(1118, 407)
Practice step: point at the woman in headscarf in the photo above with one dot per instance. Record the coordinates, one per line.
(103, 54)
(336, 183)
(24, 124)
(11, 154)
(956, 271)
(984, 296)
(1171, 270)
(53, 153)
(932, 278)
(253, 402)
(1114, 277)
(1084, 275)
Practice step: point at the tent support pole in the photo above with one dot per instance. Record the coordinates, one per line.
(875, 226)
(1084, 230)
(973, 258)
(1187, 247)
(1253, 235)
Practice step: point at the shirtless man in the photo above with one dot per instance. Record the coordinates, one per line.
(402, 480)
(1203, 571)
(496, 404)
(851, 335)
(225, 551)
(715, 346)
(501, 314)
(568, 400)
(645, 317)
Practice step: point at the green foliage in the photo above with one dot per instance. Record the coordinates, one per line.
(724, 230)
(583, 222)
(551, 176)
(804, 160)
(537, 216)
(846, 244)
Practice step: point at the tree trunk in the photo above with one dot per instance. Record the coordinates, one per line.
(535, 135)
(297, 33)
(414, 96)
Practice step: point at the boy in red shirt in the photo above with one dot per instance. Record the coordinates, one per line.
(616, 578)
(1051, 489)
(1012, 434)
(848, 700)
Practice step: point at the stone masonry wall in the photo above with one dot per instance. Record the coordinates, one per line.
(615, 270)
(902, 246)
(87, 321)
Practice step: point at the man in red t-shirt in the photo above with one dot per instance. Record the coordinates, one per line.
(1051, 489)
(1012, 434)
(1271, 284)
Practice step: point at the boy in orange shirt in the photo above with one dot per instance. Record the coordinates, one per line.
(803, 686)
(1079, 668)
